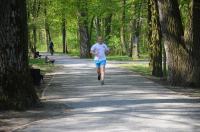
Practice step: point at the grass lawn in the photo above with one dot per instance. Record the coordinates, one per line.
(142, 69)
(124, 58)
(40, 64)
(119, 58)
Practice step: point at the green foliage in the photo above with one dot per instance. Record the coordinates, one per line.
(57, 9)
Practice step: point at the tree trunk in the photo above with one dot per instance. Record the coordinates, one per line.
(123, 30)
(155, 45)
(164, 62)
(83, 29)
(15, 80)
(193, 40)
(34, 7)
(48, 35)
(172, 31)
(64, 35)
(136, 32)
(91, 27)
(98, 26)
(108, 21)
(132, 34)
(34, 39)
(47, 30)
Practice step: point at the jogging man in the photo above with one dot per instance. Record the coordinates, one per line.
(99, 50)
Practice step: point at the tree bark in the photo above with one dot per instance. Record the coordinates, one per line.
(98, 26)
(136, 31)
(108, 21)
(164, 62)
(155, 45)
(65, 50)
(193, 41)
(91, 27)
(48, 35)
(123, 30)
(47, 30)
(34, 11)
(15, 80)
(83, 29)
(34, 48)
(134, 40)
(172, 31)
(132, 44)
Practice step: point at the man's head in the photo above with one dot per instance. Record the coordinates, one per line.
(100, 39)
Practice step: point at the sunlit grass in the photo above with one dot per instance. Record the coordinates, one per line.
(40, 64)
(125, 58)
(73, 52)
(142, 69)
(119, 58)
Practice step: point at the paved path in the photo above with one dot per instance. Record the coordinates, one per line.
(126, 103)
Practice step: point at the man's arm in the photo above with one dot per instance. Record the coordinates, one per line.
(92, 50)
(107, 50)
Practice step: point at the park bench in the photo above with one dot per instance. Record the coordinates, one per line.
(36, 76)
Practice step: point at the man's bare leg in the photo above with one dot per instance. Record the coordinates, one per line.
(99, 73)
(102, 70)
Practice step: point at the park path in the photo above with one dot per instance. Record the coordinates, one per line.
(126, 103)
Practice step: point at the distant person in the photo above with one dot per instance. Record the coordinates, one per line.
(99, 50)
(51, 47)
(37, 55)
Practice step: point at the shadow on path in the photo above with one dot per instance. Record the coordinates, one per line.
(76, 102)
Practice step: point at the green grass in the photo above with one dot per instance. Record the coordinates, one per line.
(124, 58)
(74, 53)
(142, 69)
(40, 63)
(119, 58)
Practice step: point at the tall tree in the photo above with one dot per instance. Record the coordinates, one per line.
(132, 31)
(192, 38)
(176, 52)
(154, 39)
(15, 81)
(83, 28)
(123, 28)
(34, 6)
(62, 5)
(64, 34)
(46, 24)
(98, 26)
(136, 26)
(108, 21)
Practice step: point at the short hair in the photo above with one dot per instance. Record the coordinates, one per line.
(98, 37)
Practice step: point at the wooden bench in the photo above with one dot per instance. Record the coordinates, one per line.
(36, 76)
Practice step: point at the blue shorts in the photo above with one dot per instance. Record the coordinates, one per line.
(100, 63)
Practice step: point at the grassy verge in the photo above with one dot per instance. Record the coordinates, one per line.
(124, 58)
(142, 69)
(40, 64)
(119, 58)
(74, 53)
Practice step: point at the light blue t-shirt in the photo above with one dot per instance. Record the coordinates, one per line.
(100, 50)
